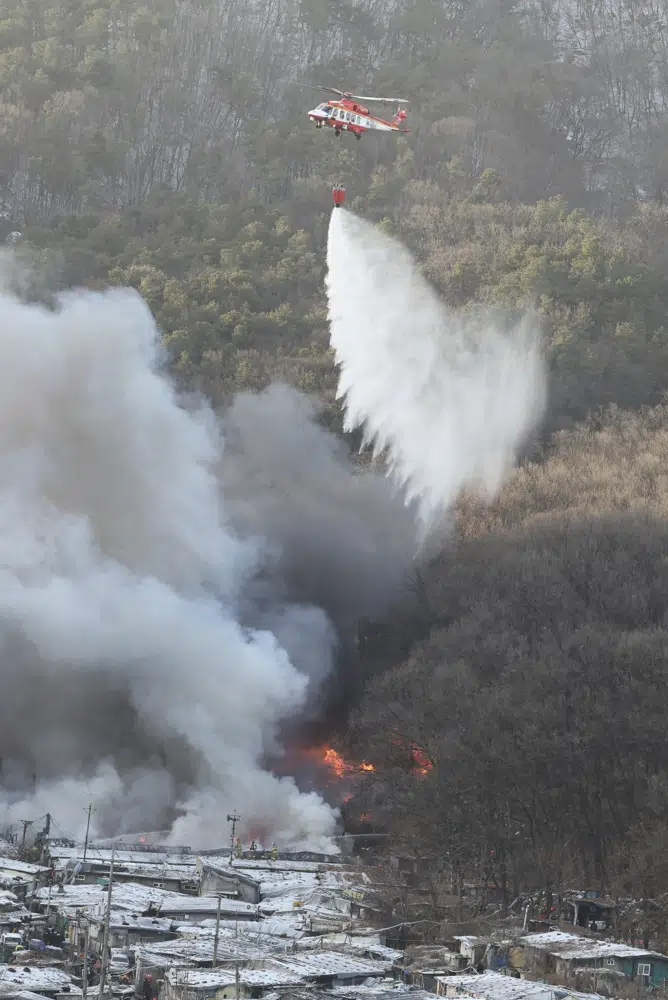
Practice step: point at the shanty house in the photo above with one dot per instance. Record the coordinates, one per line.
(172, 878)
(68, 899)
(217, 984)
(254, 880)
(129, 930)
(334, 968)
(198, 908)
(159, 870)
(45, 981)
(20, 877)
(13, 914)
(589, 908)
(496, 986)
(218, 878)
(566, 954)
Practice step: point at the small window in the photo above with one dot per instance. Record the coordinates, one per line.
(348, 116)
(159, 885)
(609, 961)
(644, 969)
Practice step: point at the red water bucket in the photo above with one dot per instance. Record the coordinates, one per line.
(338, 195)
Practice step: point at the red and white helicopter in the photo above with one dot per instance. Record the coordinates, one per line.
(348, 114)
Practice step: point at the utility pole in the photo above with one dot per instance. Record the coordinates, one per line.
(26, 824)
(107, 921)
(233, 819)
(215, 940)
(85, 965)
(90, 810)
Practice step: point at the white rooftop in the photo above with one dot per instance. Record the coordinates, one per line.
(175, 902)
(380, 988)
(121, 919)
(275, 883)
(334, 963)
(200, 949)
(14, 915)
(494, 986)
(103, 854)
(318, 904)
(160, 870)
(28, 995)
(573, 946)
(362, 944)
(34, 978)
(266, 864)
(131, 896)
(12, 864)
(271, 974)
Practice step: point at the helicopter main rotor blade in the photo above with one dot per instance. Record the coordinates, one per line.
(384, 100)
(311, 86)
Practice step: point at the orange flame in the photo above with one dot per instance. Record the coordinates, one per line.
(335, 761)
(338, 765)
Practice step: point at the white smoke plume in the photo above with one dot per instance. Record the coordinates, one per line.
(447, 397)
(127, 675)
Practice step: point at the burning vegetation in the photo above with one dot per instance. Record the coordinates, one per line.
(339, 768)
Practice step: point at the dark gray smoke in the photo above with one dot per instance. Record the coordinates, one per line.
(341, 537)
(168, 603)
(337, 537)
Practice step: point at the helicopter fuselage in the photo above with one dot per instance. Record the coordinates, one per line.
(348, 115)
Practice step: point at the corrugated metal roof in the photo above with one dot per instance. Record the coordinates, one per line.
(573, 946)
(122, 920)
(14, 916)
(11, 864)
(335, 963)
(175, 902)
(33, 978)
(266, 864)
(62, 855)
(381, 988)
(495, 986)
(271, 974)
(131, 896)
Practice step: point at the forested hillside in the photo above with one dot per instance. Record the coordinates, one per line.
(165, 145)
(539, 694)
